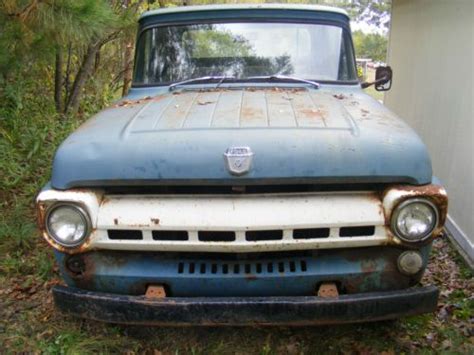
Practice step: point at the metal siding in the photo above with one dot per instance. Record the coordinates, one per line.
(431, 53)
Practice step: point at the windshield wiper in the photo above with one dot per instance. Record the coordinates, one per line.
(221, 79)
(284, 77)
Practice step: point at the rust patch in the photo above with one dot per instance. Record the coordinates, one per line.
(41, 213)
(40, 216)
(83, 279)
(391, 237)
(41, 209)
(435, 193)
(80, 249)
(368, 266)
(155, 221)
(313, 114)
(155, 291)
(339, 96)
(116, 221)
(249, 113)
(328, 290)
(105, 200)
(138, 225)
(276, 89)
(129, 103)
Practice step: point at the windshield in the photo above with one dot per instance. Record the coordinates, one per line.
(311, 51)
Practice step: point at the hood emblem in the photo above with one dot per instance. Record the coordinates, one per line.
(238, 160)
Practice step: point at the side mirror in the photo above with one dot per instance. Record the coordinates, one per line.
(383, 78)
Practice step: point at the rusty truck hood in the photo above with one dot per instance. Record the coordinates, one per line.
(297, 135)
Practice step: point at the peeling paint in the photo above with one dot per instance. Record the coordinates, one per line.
(394, 195)
(129, 103)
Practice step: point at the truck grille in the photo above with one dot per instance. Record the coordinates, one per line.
(250, 236)
(239, 268)
(240, 224)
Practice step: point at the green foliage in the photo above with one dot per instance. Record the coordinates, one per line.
(32, 30)
(370, 45)
(76, 342)
(66, 38)
(213, 43)
(376, 12)
(30, 131)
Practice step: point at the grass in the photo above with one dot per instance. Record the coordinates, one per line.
(29, 323)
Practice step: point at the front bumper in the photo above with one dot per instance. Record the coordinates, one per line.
(296, 310)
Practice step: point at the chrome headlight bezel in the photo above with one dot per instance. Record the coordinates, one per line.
(398, 209)
(83, 215)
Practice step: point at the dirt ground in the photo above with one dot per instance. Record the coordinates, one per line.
(29, 322)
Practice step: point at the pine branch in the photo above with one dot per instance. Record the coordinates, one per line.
(24, 13)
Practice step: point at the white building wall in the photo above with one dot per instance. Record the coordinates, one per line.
(431, 53)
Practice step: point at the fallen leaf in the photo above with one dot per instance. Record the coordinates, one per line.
(446, 344)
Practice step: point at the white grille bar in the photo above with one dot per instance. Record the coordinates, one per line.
(239, 214)
(236, 213)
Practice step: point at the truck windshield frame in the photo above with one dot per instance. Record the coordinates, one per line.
(230, 37)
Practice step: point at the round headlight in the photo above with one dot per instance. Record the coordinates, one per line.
(413, 220)
(68, 225)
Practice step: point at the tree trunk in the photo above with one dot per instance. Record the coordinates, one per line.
(97, 61)
(81, 78)
(127, 62)
(127, 59)
(58, 79)
(67, 75)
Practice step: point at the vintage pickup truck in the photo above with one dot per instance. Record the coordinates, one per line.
(246, 179)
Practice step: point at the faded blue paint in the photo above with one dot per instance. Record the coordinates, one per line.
(366, 270)
(162, 141)
(269, 12)
(255, 7)
(362, 142)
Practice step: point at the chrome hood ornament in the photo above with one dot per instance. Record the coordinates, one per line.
(238, 160)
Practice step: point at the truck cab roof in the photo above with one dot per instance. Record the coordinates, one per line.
(231, 7)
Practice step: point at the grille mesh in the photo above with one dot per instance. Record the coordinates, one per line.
(242, 268)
